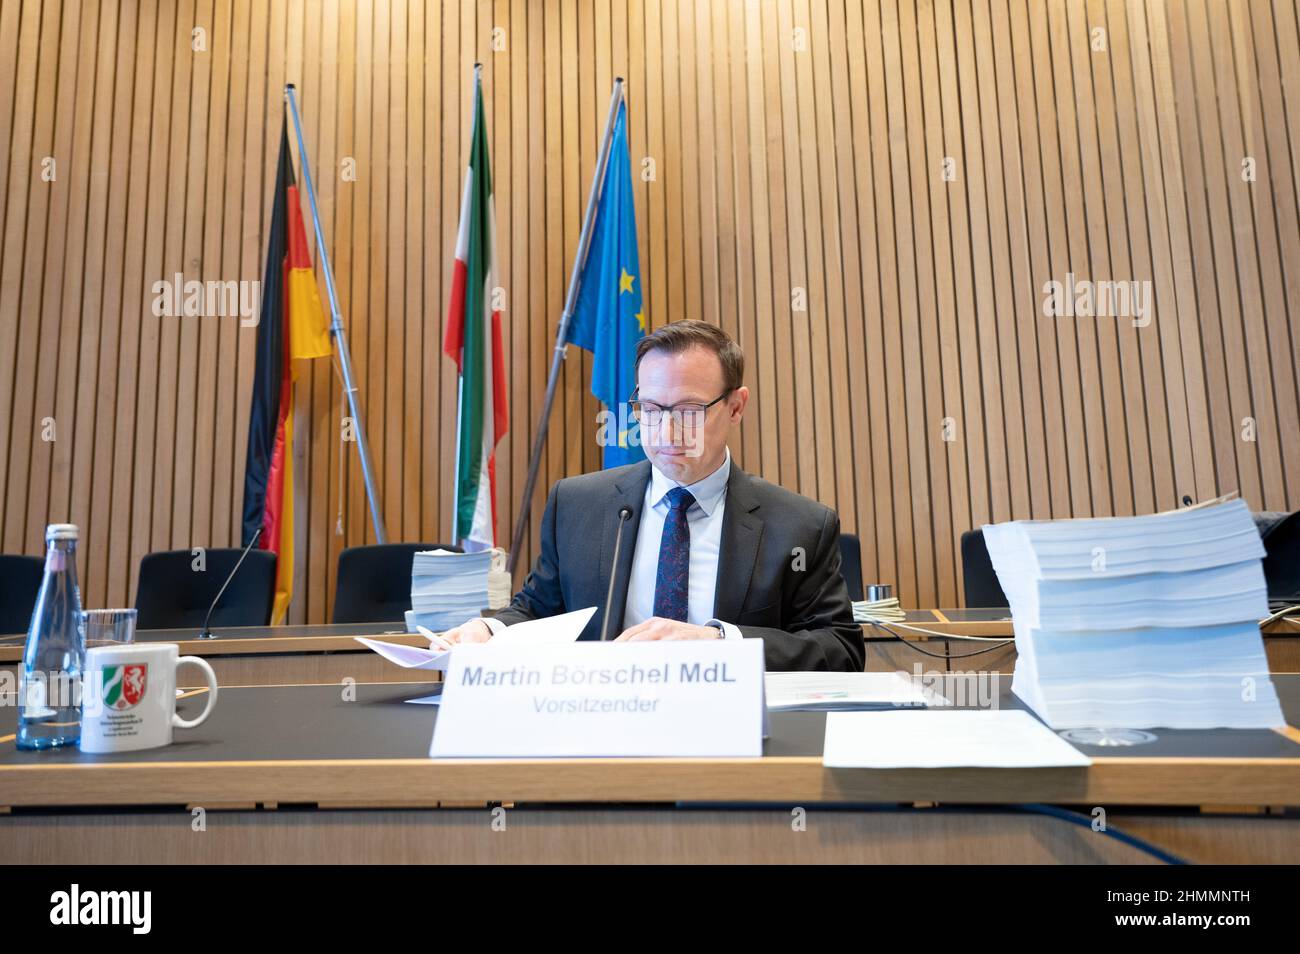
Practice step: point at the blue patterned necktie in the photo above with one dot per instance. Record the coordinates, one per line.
(672, 582)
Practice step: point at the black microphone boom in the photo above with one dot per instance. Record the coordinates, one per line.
(203, 633)
(623, 516)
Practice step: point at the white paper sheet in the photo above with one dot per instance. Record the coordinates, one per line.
(910, 738)
(432, 700)
(830, 691)
(408, 657)
(552, 631)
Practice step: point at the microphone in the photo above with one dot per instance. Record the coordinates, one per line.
(623, 515)
(204, 633)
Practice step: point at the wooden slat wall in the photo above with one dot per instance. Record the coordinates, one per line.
(798, 149)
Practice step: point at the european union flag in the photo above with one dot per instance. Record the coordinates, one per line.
(608, 318)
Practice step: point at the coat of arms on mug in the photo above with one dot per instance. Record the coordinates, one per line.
(124, 685)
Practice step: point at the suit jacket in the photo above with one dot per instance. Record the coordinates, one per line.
(778, 566)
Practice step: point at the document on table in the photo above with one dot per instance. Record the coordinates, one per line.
(845, 691)
(408, 657)
(910, 738)
(551, 631)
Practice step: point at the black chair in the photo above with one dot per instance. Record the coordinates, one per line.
(374, 582)
(982, 587)
(20, 583)
(172, 594)
(851, 564)
(1281, 535)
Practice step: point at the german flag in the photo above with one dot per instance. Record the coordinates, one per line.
(291, 328)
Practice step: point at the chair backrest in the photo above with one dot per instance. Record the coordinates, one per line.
(20, 583)
(172, 594)
(981, 580)
(1281, 535)
(374, 582)
(851, 564)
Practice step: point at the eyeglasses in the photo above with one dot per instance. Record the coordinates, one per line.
(689, 414)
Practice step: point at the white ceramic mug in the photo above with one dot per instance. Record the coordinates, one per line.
(129, 696)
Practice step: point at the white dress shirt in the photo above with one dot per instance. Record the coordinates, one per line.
(704, 520)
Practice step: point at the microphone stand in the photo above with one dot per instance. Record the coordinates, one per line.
(623, 516)
(205, 633)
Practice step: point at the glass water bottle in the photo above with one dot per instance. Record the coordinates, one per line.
(49, 696)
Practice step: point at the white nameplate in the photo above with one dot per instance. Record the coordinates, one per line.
(669, 699)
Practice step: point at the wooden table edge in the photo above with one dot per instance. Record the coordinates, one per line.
(780, 779)
(262, 645)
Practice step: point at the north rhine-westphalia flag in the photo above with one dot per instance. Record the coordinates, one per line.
(291, 328)
(473, 340)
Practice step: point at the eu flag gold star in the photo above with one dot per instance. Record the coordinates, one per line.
(624, 282)
(640, 320)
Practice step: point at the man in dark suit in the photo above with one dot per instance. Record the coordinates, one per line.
(708, 552)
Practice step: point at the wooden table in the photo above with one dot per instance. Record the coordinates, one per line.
(277, 655)
(301, 773)
(291, 655)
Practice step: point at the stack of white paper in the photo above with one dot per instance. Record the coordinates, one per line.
(1139, 622)
(448, 588)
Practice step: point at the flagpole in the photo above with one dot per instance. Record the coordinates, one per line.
(562, 332)
(460, 378)
(336, 328)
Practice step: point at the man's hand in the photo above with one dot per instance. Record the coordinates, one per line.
(656, 627)
(471, 631)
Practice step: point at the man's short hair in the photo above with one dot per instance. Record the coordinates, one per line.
(689, 333)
